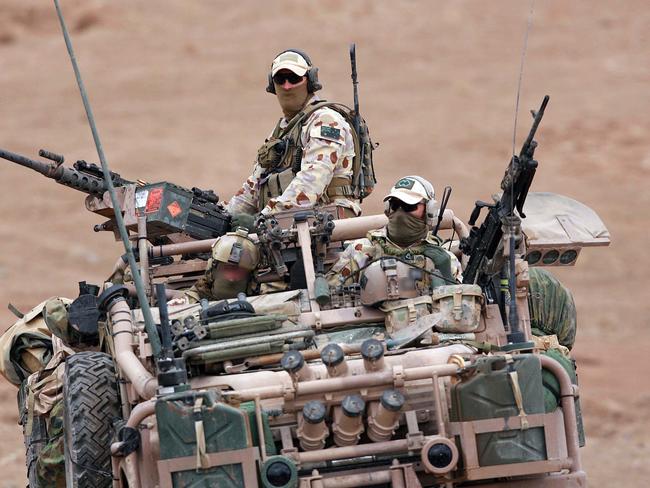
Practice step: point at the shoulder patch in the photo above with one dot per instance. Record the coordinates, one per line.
(330, 132)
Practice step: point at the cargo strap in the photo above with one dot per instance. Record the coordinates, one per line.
(340, 187)
(516, 390)
(31, 402)
(202, 461)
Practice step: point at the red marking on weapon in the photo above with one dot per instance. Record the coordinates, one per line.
(174, 209)
(154, 200)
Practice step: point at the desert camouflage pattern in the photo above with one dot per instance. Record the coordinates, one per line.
(458, 306)
(50, 465)
(402, 313)
(26, 346)
(552, 309)
(324, 157)
(363, 251)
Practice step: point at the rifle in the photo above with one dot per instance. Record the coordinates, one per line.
(169, 208)
(483, 241)
(357, 116)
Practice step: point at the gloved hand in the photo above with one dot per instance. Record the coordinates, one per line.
(246, 221)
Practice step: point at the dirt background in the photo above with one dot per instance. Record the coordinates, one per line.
(177, 89)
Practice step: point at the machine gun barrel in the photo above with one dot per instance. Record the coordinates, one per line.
(46, 169)
(83, 181)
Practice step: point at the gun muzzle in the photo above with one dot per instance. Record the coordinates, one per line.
(46, 169)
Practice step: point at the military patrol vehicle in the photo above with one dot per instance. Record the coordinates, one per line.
(309, 387)
(466, 384)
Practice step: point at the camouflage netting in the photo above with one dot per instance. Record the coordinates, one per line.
(552, 309)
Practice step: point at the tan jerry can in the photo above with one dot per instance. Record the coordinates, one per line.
(459, 307)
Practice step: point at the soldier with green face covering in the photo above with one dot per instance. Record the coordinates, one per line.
(229, 270)
(411, 209)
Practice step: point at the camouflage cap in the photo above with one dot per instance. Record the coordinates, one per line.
(411, 190)
(236, 248)
(290, 60)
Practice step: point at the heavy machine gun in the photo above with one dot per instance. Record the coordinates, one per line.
(482, 243)
(168, 208)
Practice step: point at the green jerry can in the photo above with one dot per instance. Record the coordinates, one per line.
(489, 394)
(224, 428)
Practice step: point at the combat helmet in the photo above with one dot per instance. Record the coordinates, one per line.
(412, 190)
(236, 248)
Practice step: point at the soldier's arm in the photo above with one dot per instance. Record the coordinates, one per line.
(323, 148)
(245, 201)
(345, 270)
(456, 268)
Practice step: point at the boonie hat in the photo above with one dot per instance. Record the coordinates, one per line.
(292, 61)
(409, 190)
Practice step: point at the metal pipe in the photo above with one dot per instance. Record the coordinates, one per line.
(331, 385)
(568, 409)
(372, 478)
(437, 402)
(222, 346)
(140, 412)
(144, 255)
(169, 293)
(141, 379)
(119, 267)
(375, 449)
(260, 429)
(308, 355)
(344, 230)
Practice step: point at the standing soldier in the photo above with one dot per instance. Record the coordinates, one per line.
(308, 158)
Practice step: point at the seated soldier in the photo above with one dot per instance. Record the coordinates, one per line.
(411, 209)
(229, 271)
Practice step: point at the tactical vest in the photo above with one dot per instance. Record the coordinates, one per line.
(417, 254)
(281, 158)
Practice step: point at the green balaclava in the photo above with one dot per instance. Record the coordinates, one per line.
(226, 285)
(405, 229)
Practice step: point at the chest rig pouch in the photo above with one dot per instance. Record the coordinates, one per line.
(281, 155)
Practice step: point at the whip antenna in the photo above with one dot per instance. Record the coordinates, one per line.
(512, 222)
(137, 279)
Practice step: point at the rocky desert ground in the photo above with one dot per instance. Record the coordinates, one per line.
(177, 89)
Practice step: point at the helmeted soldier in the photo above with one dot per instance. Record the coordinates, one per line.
(229, 270)
(404, 251)
(308, 158)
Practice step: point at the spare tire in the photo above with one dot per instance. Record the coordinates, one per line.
(90, 406)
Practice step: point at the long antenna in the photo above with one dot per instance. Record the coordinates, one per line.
(521, 72)
(142, 296)
(516, 335)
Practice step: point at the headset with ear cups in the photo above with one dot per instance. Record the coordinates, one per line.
(431, 206)
(312, 73)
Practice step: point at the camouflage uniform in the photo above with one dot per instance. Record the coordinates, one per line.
(376, 245)
(552, 309)
(233, 249)
(327, 153)
(50, 465)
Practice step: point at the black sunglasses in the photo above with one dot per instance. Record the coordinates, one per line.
(289, 76)
(395, 204)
